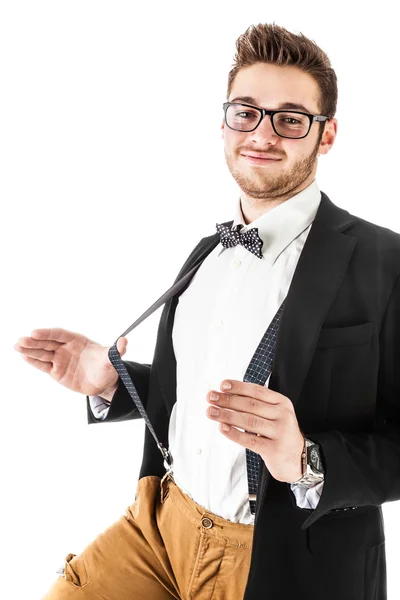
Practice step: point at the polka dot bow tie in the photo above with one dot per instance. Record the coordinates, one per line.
(232, 237)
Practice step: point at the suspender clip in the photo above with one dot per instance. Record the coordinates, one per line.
(167, 458)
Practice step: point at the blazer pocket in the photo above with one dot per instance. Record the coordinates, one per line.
(354, 530)
(345, 336)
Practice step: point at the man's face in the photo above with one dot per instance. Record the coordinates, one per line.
(270, 86)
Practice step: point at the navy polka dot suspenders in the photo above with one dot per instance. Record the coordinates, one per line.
(258, 370)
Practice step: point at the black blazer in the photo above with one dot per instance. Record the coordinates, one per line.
(337, 358)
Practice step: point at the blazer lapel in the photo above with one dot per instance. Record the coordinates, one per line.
(164, 361)
(317, 278)
(316, 281)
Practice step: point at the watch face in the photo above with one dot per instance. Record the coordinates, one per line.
(315, 458)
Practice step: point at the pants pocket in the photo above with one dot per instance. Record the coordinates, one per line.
(75, 571)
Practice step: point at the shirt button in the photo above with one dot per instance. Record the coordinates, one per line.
(219, 323)
(237, 263)
(199, 450)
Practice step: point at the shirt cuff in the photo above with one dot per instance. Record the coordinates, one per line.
(307, 497)
(99, 406)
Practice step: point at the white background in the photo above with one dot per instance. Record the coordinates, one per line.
(102, 161)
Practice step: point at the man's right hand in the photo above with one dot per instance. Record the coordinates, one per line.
(72, 359)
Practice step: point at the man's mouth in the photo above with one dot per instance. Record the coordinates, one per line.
(258, 160)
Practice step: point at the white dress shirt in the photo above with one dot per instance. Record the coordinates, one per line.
(219, 321)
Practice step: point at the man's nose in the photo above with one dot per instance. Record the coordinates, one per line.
(264, 131)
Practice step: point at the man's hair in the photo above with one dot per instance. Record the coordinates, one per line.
(272, 44)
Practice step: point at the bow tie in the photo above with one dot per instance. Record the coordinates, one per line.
(232, 237)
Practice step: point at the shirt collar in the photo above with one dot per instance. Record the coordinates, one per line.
(282, 224)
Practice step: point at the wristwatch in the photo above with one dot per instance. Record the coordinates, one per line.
(313, 468)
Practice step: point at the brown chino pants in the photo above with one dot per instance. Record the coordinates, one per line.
(165, 547)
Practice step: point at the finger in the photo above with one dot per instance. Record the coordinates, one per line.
(247, 440)
(56, 334)
(246, 405)
(46, 367)
(248, 422)
(253, 390)
(38, 353)
(29, 342)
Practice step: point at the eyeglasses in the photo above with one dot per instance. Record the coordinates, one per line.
(288, 124)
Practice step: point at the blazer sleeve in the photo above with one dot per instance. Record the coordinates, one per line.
(363, 468)
(122, 407)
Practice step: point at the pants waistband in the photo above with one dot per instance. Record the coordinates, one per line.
(238, 534)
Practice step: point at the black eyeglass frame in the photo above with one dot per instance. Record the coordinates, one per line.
(264, 111)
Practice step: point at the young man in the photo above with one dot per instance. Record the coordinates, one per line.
(296, 303)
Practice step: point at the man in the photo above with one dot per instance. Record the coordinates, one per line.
(320, 288)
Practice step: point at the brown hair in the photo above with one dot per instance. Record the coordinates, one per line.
(272, 44)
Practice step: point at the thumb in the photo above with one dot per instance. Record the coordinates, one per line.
(121, 345)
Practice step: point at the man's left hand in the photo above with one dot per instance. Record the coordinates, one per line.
(259, 410)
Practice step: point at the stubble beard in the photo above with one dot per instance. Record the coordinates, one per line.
(269, 182)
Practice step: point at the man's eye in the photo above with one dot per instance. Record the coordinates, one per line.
(245, 113)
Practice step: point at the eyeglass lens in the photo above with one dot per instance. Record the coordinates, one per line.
(244, 118)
